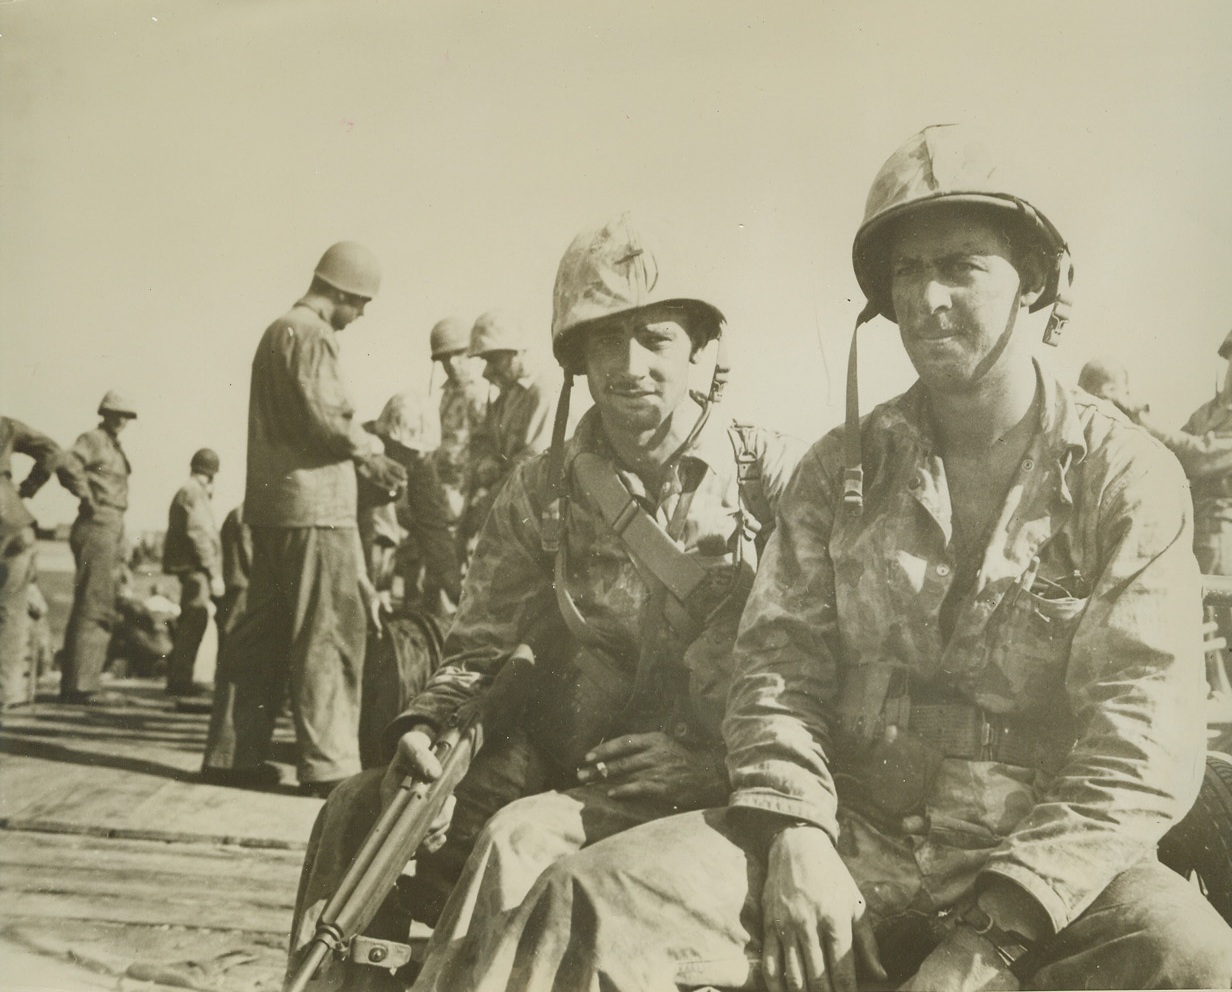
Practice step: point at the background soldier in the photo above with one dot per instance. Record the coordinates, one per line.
(17, 549)
(236, 541)
(464, 402)
(518, 423)
(966, 681)
(192, 550)
(96, 539)
(304, 620)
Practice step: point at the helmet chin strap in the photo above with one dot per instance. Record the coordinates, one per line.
(707, 401)
(853, 473)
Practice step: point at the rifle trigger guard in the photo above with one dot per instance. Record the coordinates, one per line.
(379, 953)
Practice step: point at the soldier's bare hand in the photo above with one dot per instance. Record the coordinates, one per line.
(413, 757)
(814, 922)
(656, 766)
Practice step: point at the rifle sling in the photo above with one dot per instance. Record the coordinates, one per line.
(647, 542)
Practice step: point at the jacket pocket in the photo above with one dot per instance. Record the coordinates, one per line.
(1029, 650)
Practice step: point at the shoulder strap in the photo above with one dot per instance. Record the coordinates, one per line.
(644, 539)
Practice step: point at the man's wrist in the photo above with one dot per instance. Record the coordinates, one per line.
(1010, 945)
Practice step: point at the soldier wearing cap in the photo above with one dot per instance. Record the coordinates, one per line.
(96, 539)
(633, 634)
(463, 405)
(304, 622)
(192, 550)
(518, 422)
(962, 715)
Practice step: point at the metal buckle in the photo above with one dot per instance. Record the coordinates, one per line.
(379, 953)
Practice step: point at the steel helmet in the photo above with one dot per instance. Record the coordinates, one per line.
(1100, 373)
(410, 421)
(1225, 349)
(948, 162)
(497, 330)
(205, 461)
(350, 267)
(449, 336)
(113, 402)
(621, 265)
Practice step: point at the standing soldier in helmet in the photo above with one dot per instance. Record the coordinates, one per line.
(632, 626)
(304, 622)
(518, 423)
(96, 539)
(962, 714)
(464, 399)
(1204, 449)
(192, 550)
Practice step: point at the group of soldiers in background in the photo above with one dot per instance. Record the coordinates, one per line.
(422, 488)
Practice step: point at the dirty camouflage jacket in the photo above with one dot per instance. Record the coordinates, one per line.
(1100, 655)
(463, 406)
(509, 587)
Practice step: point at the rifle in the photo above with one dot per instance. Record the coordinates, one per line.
(403, 825)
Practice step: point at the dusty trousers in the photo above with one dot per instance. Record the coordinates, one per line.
(16, 571)
(676, 904)
(303, 627)
(190, 629)
(96, 543)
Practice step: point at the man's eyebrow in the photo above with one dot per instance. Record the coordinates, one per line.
(963, 251)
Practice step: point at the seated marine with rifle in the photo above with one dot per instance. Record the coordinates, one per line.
(622, 558)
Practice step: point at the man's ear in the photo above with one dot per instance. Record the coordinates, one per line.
(1034, 278)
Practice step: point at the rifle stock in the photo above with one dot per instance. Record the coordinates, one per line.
(405, 822)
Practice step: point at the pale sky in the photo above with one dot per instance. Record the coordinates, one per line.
(171, 171)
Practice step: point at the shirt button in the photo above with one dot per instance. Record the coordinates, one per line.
(1027, 464)
(914, 483)
(681, 730)
(943, 570)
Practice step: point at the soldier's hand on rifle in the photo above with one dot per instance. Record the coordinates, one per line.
(414, 757)
(657, 766)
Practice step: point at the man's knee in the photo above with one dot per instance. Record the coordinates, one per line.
(1149, 929)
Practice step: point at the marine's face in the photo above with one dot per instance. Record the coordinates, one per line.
(502, 368)
(955, 283)
(637, 366)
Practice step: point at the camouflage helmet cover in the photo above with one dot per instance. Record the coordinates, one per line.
(945, 163)
(621, 265)
(409, 420)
